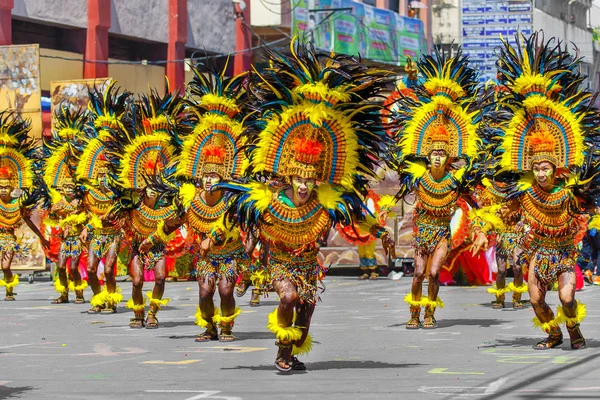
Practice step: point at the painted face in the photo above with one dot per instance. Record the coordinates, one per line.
(68, 190)
(544, 173)
(5, 190)
(303, 187)
(438, 158)
(151, 194)
(209, 180)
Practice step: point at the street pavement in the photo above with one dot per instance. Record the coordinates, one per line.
(361, 350)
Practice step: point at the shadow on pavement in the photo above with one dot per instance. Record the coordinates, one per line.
(447, 323)
(529, 342)
(327, 365)
(14, 392)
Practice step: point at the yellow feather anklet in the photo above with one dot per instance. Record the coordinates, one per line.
(304, 348)
(415, 303)
(136, 307)
(11, 284)
(218, 319)
(63, 290)
(433, 303)
(286, 334)
(115, 297)
(158, 303)
(518, 289)
(84, 285)
(499, 292)
(200, 321)
(580, 314)
(99, 299)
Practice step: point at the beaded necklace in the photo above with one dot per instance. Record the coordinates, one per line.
(145, 219)
(295, 225)
(10, 214)
(437, 198)
(547, 213)
(201, 216)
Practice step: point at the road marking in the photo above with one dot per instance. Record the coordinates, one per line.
(220, 349)
(25, 344)
(494, 386)
(183, 362)
(204, 394)
(444, 371)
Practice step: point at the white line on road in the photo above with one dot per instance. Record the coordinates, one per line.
(204, 394)
(494, 386)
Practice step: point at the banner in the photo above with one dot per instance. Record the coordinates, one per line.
(353, 28)
(20, 83)
(74, 93)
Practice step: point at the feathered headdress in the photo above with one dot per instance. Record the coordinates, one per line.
(549, 113)
(108, 111)
(108, 108)
(62, 152)
(442, 110)
(16, 152)
(143, 151)
(316, 118)
(214, 145)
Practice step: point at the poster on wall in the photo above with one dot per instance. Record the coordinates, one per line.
(20, 90)
(355, 28)
(74, 93)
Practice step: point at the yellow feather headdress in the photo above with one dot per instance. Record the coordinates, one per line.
(548, 110)
(215, 144)
(16, 150)
(441, 114)
(316, 118)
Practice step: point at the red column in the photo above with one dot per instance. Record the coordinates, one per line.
(6, 7)
(178, 17)
(243, 39)
(96, 44)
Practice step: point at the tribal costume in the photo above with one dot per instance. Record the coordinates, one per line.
(66, 216)
(549, 140)
(18, 166)
(139, 154)
(363, 239)
(509, 233)
(212, 154)
(315, 128)
(437, 121)
(107, 113)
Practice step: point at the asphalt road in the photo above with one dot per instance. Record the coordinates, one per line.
(361, 350)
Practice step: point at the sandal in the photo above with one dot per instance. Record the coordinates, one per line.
(297, 365)
(549, 343)
(95, 310)
(373, 276)
(151, 321)
(241, 289)
(363, 277)
(255, 299)
(136, 323)
(281, 363)
(79, 300)
(517, 305)
(60, 300)
(577, 340)
(226, 336)
(109, 309)
(429, 321)
(207, 336)
(9, 298)
(414, 322)
(498, 305)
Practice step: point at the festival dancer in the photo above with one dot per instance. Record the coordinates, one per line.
(17, 171)
(102, 234)
(317, 130)
(212, 154)
(66, 212)
(139, 154)
(435, 127)
(550, 140)
(509, 233)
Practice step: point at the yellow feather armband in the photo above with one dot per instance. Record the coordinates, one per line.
(11, 284)
(187, 192)
(51, 222)
(94, 223)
